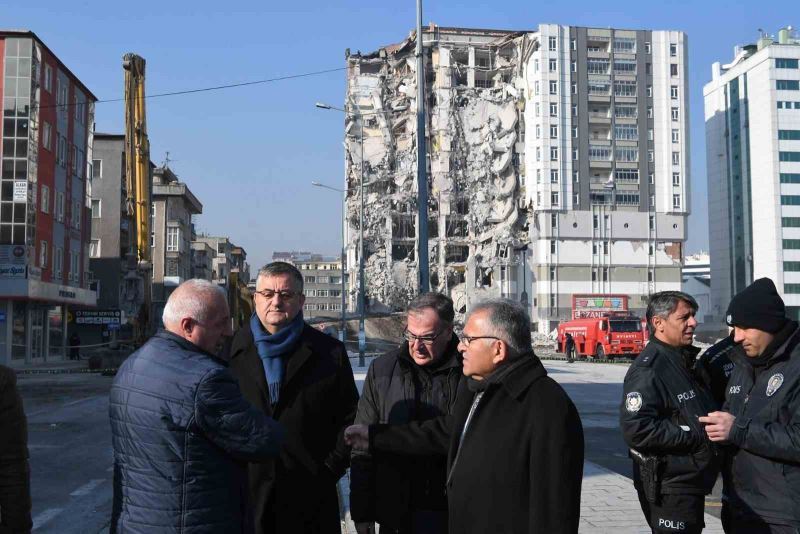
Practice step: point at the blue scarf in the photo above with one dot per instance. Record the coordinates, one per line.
(273, 350)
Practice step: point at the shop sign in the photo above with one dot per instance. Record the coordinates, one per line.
(106, 317)
(12, 255)
(12, 271)
(20, 191)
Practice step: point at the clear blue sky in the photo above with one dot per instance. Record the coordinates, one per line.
(249, 154)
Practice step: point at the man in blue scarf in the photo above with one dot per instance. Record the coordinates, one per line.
(302, 378)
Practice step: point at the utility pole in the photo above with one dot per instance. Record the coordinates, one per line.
(422, 165)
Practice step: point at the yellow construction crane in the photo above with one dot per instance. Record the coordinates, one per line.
(136, 290)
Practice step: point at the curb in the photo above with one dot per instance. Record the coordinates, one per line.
(65, 371)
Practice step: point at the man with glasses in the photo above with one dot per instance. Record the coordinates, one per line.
(302, 378)
(415, 382)
(514, 441)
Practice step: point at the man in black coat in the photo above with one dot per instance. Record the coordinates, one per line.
(760, 422)
(416, 382)
(15, 490)
(675, 465)
(514, 442)
(302, 378)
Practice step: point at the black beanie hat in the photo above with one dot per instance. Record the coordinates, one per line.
(758, 306)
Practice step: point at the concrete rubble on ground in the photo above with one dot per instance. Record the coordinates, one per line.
(478, 213)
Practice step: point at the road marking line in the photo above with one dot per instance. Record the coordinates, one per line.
(45, 516)
(87, 488)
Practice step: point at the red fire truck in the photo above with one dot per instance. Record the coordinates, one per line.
(602, 327)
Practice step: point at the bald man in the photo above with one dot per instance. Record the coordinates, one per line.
(182, 431)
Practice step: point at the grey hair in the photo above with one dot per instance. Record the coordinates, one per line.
(441, 304)
(664, 303)
(281, 267)
(509, 321)
(191, 299)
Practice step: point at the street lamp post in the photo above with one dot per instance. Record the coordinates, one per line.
(362, 338)
(343, 329)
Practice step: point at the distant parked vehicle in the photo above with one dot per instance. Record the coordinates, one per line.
(604, 337)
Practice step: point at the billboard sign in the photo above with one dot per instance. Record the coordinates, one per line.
(592, 306)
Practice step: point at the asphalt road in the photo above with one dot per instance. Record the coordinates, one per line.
(70, 448)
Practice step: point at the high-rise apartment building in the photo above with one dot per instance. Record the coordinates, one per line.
(752, 115)
(558, 164)
(322, 282)
(48, 116)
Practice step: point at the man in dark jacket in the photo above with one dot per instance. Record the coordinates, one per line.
(714, 367)
(416, 382)
(674, 464)
(760, 421)
(181, 430)
(514, 442)
(303, 379)
(15, 491)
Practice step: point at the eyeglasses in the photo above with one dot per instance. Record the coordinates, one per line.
(427, 340)
(466, 340)
(282, 295)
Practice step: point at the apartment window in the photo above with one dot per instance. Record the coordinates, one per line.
(552, 42)
(650, 250)
(790, 178)
(538, 131)
(627, 154)
(553, 176)
(573, 44)
(650, 134)
(789, 135)
(651, 178)
(576, 199)
(553, 109)
(59, 206)
(675, 136)
(652, 201)
(627, 199)
(43, 254)
(649, 112)
(673, 50)
(648, 48)
(787, 85)
(676, 179)
(785, 63)
(76, 215)
(624, 88)
(575, 132)
(574, 66)
(675, 114)
(538, 176)
(791, 244)
(94, 248)
(676, 158)
(790, 200)
(625, 66)
(538, 154)
(575, 111)
(535, 65)
(553, 131)
(59, 261)
(649, 90)
(48, 78)
(594, 274)
(97, 169)
(73, 266)
(173, 238)
(630, 176)
(788, 156)
(673, 69)
(652, 220)
(605, 274)
(575, 154)
(536, 88)
(574, 88)
(676, 202)
(554, 199)
(648, 69)
(47, 143)
(649, 275)
(552, 246)
(595, 221)
(536, 109)
(553, 65)
(553, 153)
(61, 157)
(152, 239)
(45, 199)
(576, 176)
(554, 221)
(673, 92)
(96, 209)
(553, 87)
(650, 155)
(625, 111)
(599, 153)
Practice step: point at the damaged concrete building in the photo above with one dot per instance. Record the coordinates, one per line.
(557, 164)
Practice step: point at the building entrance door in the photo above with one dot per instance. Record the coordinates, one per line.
(37, 335)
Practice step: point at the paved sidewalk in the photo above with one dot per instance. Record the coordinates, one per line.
(608, 504)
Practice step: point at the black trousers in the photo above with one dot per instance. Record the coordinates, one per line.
(674, 513)
(421, 522)
(733, 523)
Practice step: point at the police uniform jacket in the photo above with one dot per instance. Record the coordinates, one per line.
(762, 469)
(661, 402)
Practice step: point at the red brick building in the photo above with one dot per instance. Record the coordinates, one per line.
(45, 209)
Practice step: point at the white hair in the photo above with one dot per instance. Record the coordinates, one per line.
(192, 299)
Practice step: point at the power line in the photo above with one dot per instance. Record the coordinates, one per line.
(207, 89)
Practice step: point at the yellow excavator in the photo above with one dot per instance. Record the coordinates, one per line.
(136, 289)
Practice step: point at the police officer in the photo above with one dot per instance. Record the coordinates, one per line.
(714, 367)
(675, 464)
(761, 418)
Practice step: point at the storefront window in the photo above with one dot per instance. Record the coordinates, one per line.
(18, 331)
(56, 332)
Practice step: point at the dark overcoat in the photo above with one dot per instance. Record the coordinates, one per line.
(318, 399)
(15, 494)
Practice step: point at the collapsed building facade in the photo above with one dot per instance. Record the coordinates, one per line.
(536, 143)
